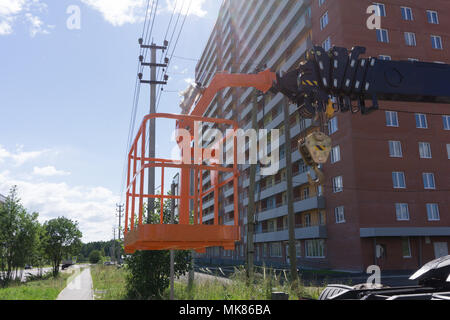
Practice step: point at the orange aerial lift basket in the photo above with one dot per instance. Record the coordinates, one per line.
(188, 234)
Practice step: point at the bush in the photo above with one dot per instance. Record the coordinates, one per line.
(95, 257)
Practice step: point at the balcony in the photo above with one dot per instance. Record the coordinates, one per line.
(301, 233)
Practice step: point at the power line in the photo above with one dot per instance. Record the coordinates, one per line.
(147, 32)
(174, 48)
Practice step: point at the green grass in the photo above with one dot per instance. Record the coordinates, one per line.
(238, 289)
(109, 282)
(48, 289)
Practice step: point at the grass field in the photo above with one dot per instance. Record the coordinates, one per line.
(109, 284)
(238, 289)
(48, 289)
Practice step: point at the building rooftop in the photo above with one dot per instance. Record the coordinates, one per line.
(2, 198)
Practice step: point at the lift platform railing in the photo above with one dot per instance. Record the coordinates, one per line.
(188, 233)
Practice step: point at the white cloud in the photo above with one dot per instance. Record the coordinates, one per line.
(196, 7)
(36, 25)
(92, 207)
(13, 10)
(120, 12)
(20, 157)
(49, 171)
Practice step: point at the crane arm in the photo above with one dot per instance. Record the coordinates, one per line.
(346, 77)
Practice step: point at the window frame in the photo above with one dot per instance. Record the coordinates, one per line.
(410, 39)
(432, 217)
(406, 240)
(380, 13)
(395, 146)
(338, 187)
(407, 10)
(333, 126)
(400, 212)
(335, 154)
(425, 150)
(395, 179)
(429, 181)
(433, 42)
(421, 121)
(324, 20)
(430, 15)
(389, 118)
(382, 35)
(317, 246)
(446, 122)
(339, 214)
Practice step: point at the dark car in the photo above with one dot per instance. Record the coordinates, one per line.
(433, 278)
(28, 267)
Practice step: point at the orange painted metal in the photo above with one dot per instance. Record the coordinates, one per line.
(262, 81)
(188, 234)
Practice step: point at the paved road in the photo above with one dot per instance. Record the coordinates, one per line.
(25, 273)
(80, 288)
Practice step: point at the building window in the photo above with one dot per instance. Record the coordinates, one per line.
(432, 17)
(326, 45)
(446, 120)
(410, 39)
(398, 179)
(321, 2)
(402, 211)
(306, 193)
(324, 21)
(315, 248)
(381, 9)
(307, 220)
(338, 185)
(436, 42)
(382, 35)
(421, 121)
(336, 154)
(448, 151)
(275, 250)
(433, 212)
(298, 249)
(425, 150)
(391, 119)
(428, 181)
(333, 126)
(407, 14)
(406, 247)
(395, 149)
(339, 214)
(384, 57)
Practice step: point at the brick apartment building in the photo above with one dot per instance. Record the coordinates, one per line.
(387, 190)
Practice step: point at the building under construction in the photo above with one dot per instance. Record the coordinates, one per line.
(385, 197)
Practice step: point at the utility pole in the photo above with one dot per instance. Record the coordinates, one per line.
(290, 194)
(172, 252)
(251, 198)
(120, 211)
(152, 131)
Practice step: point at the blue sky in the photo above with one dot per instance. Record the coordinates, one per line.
(66, 100)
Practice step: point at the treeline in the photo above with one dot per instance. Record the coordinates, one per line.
(24, 241)
(101, 251)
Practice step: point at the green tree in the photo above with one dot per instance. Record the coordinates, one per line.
(95, 257)
(18, 236)
(149, 271)
(63, 240)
